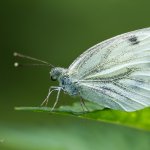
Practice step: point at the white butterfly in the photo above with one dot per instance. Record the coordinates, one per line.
(114, 73)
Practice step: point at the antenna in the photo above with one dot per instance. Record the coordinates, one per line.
(44, 63)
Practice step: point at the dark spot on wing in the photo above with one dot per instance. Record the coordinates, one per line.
(133, 40)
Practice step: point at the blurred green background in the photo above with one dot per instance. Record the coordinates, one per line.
(58, 31)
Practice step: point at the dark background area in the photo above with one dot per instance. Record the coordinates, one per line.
(58, 31)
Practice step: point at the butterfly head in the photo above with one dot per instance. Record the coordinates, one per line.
(56, 72)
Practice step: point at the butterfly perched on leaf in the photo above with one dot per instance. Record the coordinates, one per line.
(114, 73)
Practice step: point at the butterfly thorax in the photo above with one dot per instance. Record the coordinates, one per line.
(65, 81)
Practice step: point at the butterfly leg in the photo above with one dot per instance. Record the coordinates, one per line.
(57, 98)
(51, 89)
(83, 105)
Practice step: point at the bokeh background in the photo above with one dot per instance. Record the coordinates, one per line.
(58, 31)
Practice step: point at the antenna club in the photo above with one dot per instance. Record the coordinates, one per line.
(15, 54)
(16, 64)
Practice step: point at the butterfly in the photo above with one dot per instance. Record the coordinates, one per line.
(114, 73)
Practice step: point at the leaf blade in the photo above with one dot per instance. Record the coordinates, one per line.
(138, 119)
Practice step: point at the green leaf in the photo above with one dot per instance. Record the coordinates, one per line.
(138, 119)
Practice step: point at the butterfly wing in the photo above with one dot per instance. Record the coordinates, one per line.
(116, 72)
(112, 51)
(127, 95)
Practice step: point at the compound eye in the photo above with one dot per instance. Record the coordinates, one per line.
(53, 79)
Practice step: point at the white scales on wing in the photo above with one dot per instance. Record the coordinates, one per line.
(116, 73)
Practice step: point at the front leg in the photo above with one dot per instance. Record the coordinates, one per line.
(51, 89)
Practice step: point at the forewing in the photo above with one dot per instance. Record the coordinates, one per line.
(120, 51)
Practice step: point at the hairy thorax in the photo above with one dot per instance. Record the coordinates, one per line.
(68, 85)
